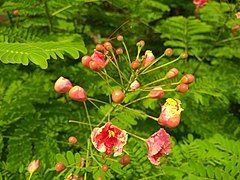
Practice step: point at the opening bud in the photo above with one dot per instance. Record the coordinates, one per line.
(100, 47)
(187, 79)
(172, 73)
(149, 58)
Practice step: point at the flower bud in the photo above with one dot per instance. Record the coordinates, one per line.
(120, 38)
(119, 51)
(182, 88)
(156, 93)
(135, 65)
(100, 47)
(141, 43)
(77, 93)
(86, 60)
(96, 66)
(168, 52)
(62, 85)
(172, 73)
(184, 55)
(149, 58)
(135, 85)
(107, 46)
(187, 79)
(33, 166)
(118, 96)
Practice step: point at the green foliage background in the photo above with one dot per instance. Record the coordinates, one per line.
(46, 40)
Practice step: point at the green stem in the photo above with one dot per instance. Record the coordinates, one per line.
(111, 78)
(30, 176)
(136, 136)
(106, 115)
(117, 67)
(73, 121)
(136, 100)
(88, 117)
(97, 100)
(125, 47)
(60, 10)
(156, 60)
(156, 81)
(88, 147)
(48, 16)
(166, 64)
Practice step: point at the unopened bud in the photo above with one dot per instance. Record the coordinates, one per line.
(156, 93)
(62, 85)
(184, 55)
(135, 85)
(172, 73)
(187, 79)
(182, 88)
(168, 52)
(77, 93)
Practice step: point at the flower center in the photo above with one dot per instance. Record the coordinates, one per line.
(111, 133)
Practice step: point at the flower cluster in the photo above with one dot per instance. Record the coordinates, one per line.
(110, 139)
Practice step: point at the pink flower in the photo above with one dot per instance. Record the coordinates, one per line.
(200, 3)
(62, 85)
(33, 166)
(170, 115)
(109, 138)
(237, 15)
(159, 144)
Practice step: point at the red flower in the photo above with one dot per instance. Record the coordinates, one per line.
(200, 3)
(109, 138)
(159, 144)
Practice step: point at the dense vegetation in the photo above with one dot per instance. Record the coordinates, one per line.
(43, 40)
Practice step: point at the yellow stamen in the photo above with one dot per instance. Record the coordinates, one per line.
(111, 133)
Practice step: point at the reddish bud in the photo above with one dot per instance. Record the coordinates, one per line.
(72, 140)
(120, 38)
(141, 43)
(184, 55)
(235, 29)
(172, 73)
(171, 123)
(86, 60)
(77, 93)
(119, 51)
(168, 52)
(62, 85)
(59, 167)
(107, 46)
(104, 167)
(135, 65)
(182, 88)
(95, 66)
(118, 96)
(99, 47)
(33, 166)
(99, 178)
(187, 79)
(125, 160)
(156, 93)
